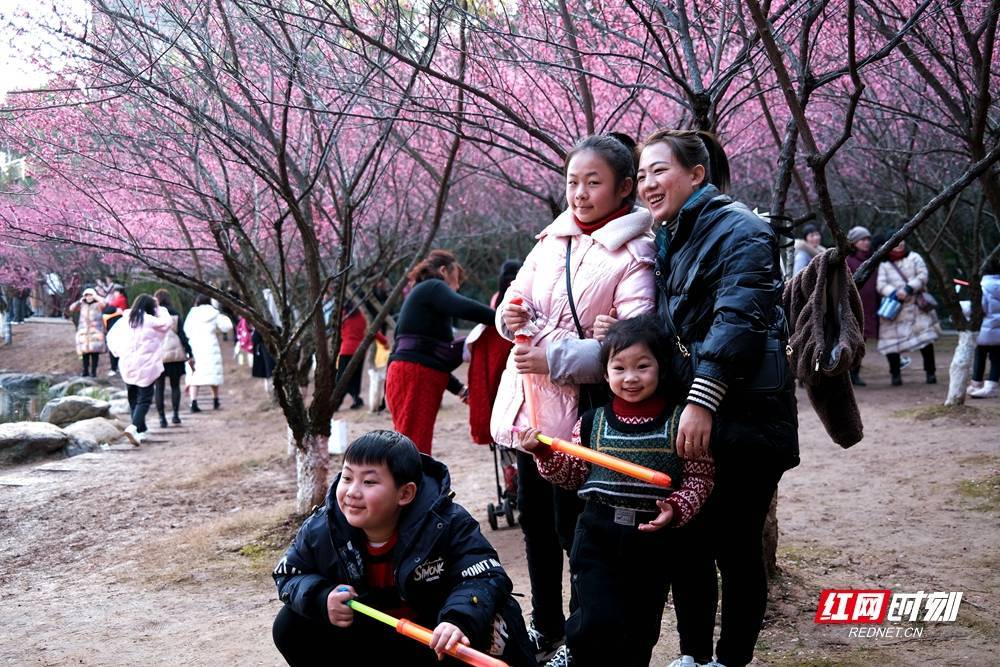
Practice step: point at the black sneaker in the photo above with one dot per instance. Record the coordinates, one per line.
(215, 404)
(194, 406)
(897, 380)
(931, 378)
(176, 420)
(561, 658)
(545, 647)
(358, 403)
(163, 422)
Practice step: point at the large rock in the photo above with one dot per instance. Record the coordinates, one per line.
(77, 446)
(70, 387)
(97, 391)
(23, 441)
(22, 383)
(96, 430)
(69, 409)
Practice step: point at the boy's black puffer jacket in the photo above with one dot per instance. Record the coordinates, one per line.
(720, 278)
(445, 569)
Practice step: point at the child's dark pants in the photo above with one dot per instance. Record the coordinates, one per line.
(548, 519)
(304, 642)
(621, 576)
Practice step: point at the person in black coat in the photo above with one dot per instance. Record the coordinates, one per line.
(719, 288)
(402, 547)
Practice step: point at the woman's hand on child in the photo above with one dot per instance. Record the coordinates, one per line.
(336, 606)
(530, 359)
(665, 516)
(446, 637)
(528, 441)
(602, 323)
(694, 432)
(514, 316)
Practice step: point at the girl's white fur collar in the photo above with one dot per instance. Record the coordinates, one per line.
(612, 236)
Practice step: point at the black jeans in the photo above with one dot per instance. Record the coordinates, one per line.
(927, 352)
(172, 370)
(305, 642)
(728, 532)
(354, 383)
(139, 400)
(548, 520)
(979, 364)
(90, 360)
(623, 575)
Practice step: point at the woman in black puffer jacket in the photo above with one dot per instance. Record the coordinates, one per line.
(719, 289)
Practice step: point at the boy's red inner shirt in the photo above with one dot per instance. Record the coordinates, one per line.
(381, 579)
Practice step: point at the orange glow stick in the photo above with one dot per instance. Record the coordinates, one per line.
(469, 656)
(628, 468)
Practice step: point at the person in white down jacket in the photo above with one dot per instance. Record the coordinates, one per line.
(202, 325)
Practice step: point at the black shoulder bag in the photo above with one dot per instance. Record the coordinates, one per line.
(591, 395)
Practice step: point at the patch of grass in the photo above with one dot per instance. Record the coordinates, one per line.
(979, 460)
(929, 412)
(43, 390)
(271, 541)
(986, 490)
(805, 553)
(100, 393)
(235, 547)
(224, 472)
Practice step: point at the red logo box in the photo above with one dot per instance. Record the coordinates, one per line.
(852, 606)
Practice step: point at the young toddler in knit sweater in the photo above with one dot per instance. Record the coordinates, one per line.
(621, 560)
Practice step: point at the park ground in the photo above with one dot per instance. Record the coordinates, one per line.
(161, 555)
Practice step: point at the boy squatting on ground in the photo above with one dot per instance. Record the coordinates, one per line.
(390, 536)
(621, 561)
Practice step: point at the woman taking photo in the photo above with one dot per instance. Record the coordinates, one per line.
(89, 330)
(425, 351)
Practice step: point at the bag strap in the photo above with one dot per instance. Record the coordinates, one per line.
(569, 288)
(672, 330)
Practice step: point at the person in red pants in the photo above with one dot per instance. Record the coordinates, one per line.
(425, 351)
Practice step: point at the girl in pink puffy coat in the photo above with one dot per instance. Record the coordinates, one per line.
(138, 343)
(610, 251)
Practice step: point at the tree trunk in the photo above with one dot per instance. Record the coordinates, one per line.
(312, 465)
(771, 539)
(961, 368)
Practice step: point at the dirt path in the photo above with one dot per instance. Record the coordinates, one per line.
(161, 555)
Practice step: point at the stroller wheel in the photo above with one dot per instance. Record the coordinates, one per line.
(491, 516)
(509, 512)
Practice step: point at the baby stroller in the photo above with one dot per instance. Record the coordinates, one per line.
(488, 354)
(507, 494)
